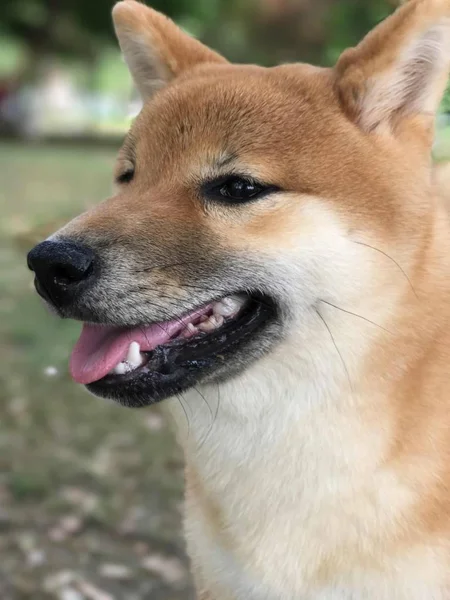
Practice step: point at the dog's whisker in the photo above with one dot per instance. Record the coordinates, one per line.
(179, 398)
(213, 419)
(348, 312)
(336, 346)
(391, 259)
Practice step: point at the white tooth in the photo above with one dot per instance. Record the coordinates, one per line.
(207, 326)
(189, 331)
(212, 323)
(223, 310)
(228, 306)
(236, 301)
(120, 369)
(220, 309)
(134, 358)
(219, 320)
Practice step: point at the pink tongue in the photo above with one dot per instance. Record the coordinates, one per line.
(102, 347)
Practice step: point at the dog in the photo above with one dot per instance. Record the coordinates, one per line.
(275, 266)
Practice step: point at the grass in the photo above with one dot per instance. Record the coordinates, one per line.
(90, 492)
(441, 149)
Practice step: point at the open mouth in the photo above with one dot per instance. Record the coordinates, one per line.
(145, 364)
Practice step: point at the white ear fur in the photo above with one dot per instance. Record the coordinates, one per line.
(417, 82)
(154, 48)
(401, 68)
(147, 68)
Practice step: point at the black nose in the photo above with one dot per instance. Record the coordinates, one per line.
(60, 268)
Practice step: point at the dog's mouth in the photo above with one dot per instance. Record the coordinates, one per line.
(145, 364)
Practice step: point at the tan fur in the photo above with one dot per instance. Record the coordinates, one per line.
(325, 474)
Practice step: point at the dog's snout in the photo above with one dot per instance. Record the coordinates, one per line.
(60, 267)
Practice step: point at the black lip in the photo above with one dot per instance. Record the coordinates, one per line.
(178, 366)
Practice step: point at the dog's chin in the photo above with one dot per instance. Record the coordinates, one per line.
(196, 355)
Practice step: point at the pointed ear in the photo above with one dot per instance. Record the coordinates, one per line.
(400, 70)
(154, 48)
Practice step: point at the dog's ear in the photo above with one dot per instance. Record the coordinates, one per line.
(154, 48)
(400, 70)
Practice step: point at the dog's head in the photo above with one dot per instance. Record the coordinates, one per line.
(246, 197)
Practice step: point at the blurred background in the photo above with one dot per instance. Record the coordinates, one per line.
(91, 493)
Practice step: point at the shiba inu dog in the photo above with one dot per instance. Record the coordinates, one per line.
(275, 267)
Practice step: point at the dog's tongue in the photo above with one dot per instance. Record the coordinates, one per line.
(102, 347)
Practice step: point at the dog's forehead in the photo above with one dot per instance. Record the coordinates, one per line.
(233, 110)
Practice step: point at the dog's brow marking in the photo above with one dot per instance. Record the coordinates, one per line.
(224, 160)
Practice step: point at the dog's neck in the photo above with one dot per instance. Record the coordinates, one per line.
(307, 430)
(240, 423)
(276, 448)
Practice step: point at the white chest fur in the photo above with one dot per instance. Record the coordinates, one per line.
(302, 507)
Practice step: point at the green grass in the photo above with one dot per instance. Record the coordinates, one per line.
(64, 455)
(441, 150)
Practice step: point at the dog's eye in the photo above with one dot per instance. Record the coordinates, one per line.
(240, 189)
(126, 176)
(237, 189)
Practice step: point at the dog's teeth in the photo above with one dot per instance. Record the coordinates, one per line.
(120, 369)
(228, 306)
(219, 320)
(223, 310)
(236, 301)
(212, 323)
(206, 326)
(134, 358)
(190, 330)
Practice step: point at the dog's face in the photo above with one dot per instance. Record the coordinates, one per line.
(245, 197)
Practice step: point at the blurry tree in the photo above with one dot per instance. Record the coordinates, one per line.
(267, 31)
(274, 31)
(76, 28)
(349, 22)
